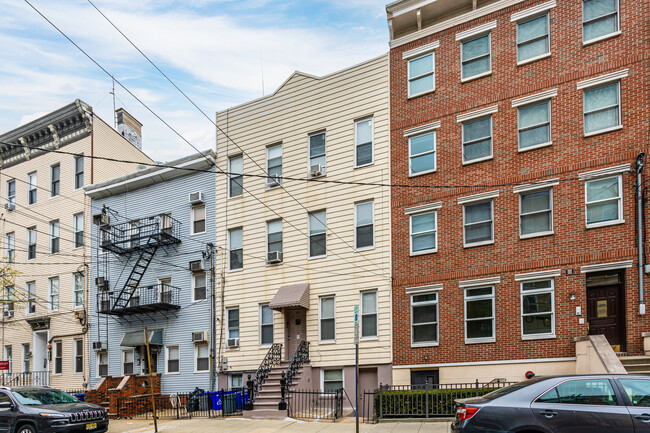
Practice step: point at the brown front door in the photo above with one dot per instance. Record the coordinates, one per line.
(295, 331)
(606, 313)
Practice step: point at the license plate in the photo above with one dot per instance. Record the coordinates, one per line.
(91, 426)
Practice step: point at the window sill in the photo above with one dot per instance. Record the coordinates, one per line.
(194, 301)
(605, 224)
(272, 187)
(536, 235)
(422, 253)
(536, 146)
(172, 374)
(236, 196)
(421, 173)
(538, 337)
(273, 265)
(53, 196)
(201, 371)
(197, 233)
(235, 270)
(77, 248)
(481, 341)
(601, 38)
(265, 346)
(474, 161)
(603, 131)
(376, 338)
(534, 59)
(435, 344)
(478, 244)
(326, 342)
(476, 77)
(361, 250)
(232, 349)
(311, 176)
(364, 165)
(316, 257)
(417, 95)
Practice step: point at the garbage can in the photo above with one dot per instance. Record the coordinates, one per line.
(81, 396)
(230, 403)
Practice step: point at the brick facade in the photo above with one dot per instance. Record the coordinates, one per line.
(572, 245)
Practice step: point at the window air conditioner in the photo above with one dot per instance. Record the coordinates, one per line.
(197, 266)
(316, 170)
(274, 181)
(196, 197)
(233, 343)
(8, 314)
(98, 345)
(199, 336)
(274, 257)
(10, 206)
(100, 281)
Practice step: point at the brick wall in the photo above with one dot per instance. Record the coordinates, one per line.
(572, 245)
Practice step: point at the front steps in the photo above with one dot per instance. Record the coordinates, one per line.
(636, 364)
(266, 402)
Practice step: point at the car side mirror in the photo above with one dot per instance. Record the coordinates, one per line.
(6, 405)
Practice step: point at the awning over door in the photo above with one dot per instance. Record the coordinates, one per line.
(295, 295)
(136, 338)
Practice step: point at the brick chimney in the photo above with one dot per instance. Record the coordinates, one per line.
(129, 127)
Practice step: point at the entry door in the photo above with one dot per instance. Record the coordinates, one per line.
(145, 360)
(605, 314)
(296, 330)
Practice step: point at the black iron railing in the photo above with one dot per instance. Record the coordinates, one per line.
(273, 357)
(315, 404)
(134, 235)
(26, 378)
(144, 299)
(297, 360)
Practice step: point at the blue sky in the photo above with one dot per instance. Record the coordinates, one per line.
(220, 52)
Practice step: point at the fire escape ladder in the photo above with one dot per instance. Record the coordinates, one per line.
(133, 281)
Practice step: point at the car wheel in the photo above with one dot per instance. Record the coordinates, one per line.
(26, 428)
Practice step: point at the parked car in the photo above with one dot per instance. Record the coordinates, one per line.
(43, 409)
(560, 404)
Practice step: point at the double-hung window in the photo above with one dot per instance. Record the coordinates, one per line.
(364, 227)
(78, 230)
(55, 180)
(534, 125)
(274, 166)
(535, 213)
(78, 290)
(424, 232)
(477, 139)
(58, 357)
(26, 357)
(478, 218)
(537, 309)
(31, 243)
(11, 192)
(422, 153)
(424, 319)
(11, 247)
(127, 362)
(54, 237)
(369, 314)
(317, 234)
(53, 287)
(173, 360)
(78, 172)
(233, 323)
(266, 325)
(317, 153)
(363, 142)
(102, 363)
(236, 248)
(198, 219)
(602, 108)
(236, 179)
(479, 315)
(599, 19)
(32, 183)
(202, 354)
(327, 311)
(533, 40)
(10, 299)
(9, 358)
(332, 380)
(476, 58)
(274, 237)
(199, 286)
(78, 355)
(421, 74)
(604, 201)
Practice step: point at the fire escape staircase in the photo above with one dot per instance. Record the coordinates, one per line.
(135, 276)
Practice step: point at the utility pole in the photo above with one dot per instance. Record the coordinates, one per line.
(209, 256)
(356, 366)
(153, 400)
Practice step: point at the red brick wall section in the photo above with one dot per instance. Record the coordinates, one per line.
(572, 245)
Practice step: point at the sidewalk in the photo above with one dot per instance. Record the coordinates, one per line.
(240, 425)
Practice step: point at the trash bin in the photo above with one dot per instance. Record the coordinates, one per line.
(81, 396)
(230, 403)
(197, 401)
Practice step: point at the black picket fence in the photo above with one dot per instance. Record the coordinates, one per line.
(317, 405)
(421, 401)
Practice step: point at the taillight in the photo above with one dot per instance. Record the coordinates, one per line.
(464, 413)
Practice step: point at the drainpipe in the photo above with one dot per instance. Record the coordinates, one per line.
(639, 199)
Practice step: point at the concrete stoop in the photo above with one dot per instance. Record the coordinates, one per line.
(636, 364)
(270, 394)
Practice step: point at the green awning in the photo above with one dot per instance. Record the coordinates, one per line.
(136, 338)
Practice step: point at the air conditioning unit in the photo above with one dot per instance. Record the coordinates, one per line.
(100, 282)
(9, 314)
(274, 257)
(101, 219)
(197, 266)
(10, 206)
(274, 181)
(233, 343)
(98, 345)
(316, 170)
(199, 336)
(196, 197)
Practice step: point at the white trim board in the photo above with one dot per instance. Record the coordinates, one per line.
(422, 129)
(425, 49)
(423, 208)
(484, 28)
(603, 79)
(538, 275)
(537, 97)
(606, 266)
(478, 197)
(424, 289)
(479, 282)
(509, 361)
(477, 113)
(543, 7)
(609, 171)
(535, 186)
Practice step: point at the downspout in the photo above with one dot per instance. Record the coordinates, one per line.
(92, 151)
(640, 246)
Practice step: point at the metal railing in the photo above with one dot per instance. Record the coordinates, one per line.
(27, 378)
(421, 401)
(125, 237)
(315, 404)
(272, 358)
(297, 359)
(153, 297)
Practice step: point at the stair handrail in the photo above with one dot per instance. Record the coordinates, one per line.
(272, 358)
(297, 359)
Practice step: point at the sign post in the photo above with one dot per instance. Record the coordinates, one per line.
(356, 368)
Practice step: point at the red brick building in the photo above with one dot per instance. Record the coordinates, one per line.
(524, 119)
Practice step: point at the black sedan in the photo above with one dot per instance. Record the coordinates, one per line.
(560, 404)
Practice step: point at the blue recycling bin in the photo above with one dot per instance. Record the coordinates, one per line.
(80, 396)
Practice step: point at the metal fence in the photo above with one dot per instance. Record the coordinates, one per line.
(315, 404)
(421, 401)
(37, 378)
(185, 405)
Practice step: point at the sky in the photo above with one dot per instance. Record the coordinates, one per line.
(221, 53)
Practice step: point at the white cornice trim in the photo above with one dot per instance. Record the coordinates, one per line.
(537, 185)
(603, 79)
(532, 11)
(424, 208)
(606, 266)
(534, 98)
(477, 113)
(484, 28)
(424, 289)
(428, 48)
(509, 361)
(480, 282)
(422, 129)
(478, 197)
(605, 172)
(538, 275)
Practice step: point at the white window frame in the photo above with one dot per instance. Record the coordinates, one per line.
(10, 298)
(320, 318)
(584, 113)
(30, 231)
(228, 328)
(11, 246)
(550, 126)
(177, 347)
(57, 355)
(230, 381)
(492, 297)
(75, 230)
(310, 156)
(80, 276)
(76, 173)
(357, 226)
(194, 286)
(362, 314)
(55, 224)
(309, 234)
(277, 183)
(76, 355)
(32, 185)
(193, 218)
(268, 232)
(30, 296)
(476, 244)
(26, 360)
(230, 268)
(434, 151)
(436, 342)
(196, 357)
(411, 234)
(550, 198)
(11, 199)
(526, 19)
(550, 290)
(470, 38)
(372, 141)
(98, 362)
(51, 305)
(9, 356)
(272, 324)
(606, 36)
(52, 167)
(322, 377)
(124, 352)
(620, 219)
(431, 53)
(231, 178)
(462, 130)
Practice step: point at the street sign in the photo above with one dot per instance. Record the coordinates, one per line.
(4, 365)
(356, 324)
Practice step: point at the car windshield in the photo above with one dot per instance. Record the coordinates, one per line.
(38, 397)
(507, 390)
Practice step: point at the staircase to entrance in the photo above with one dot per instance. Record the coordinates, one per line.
(639, 364)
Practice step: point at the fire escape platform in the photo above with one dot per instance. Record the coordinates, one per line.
(150, 299)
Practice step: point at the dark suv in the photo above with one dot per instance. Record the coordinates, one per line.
(42, 409)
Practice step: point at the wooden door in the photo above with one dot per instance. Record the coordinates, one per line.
(295, 331)
(606, 314)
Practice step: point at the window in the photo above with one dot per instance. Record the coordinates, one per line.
(233, 323)
(369, 314)
(236, 179)
(165, 287)
(173, 360)
(54, 237)
(599, 19)
(11, 247)
(236, 248)
(78, 230)
(10, 298)
(26, 358)
(317, 150)
(58, 357)
(479, 315)
(604, 201)
(31, 297)
(32, 181)
(637, 389)
(364, 233)
(537, 309)
(11, 192)
(198, 219)
(236, 381)
(422, 153)
(266, 325)
(317, 234)
(602, 108)
(363, 143)
(327, 319)
(9, 357)
(202, 357)
(477, 140)
(478, 223)
(31, 243)
(274, 236)
(332, 380)
(127, 362)
(78, 290)
(53, 284)
(102, 364)
(533, 38)
(78, 172)
(199, 283)
(134, 233)
(424, 319)
(536, 213)
(534, 125)
(424, 233)
(475, 57)
(274, 166)
(421, 75)
(78, 356)
(582, 391)
(55, 180)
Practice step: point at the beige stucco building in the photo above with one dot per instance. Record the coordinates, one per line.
(46, 234)
(301, 254)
